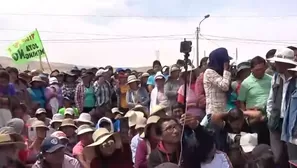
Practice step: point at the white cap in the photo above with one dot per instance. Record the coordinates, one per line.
(248, 142)
(53, 80)
(69, 111)
(40, 111)
(116, 110)
(100, 72)
(159, 75)
(284, 55)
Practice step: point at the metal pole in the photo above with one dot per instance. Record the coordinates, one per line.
(197, 46)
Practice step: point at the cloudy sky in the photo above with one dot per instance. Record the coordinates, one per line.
(130, 33)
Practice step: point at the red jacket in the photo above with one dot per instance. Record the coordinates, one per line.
(121, 158)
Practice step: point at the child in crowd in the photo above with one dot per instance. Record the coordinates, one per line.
(67, 103)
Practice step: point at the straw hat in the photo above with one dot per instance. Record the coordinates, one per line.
(39, 124)
(129, 113)
(140, 122)
(151, 120)
(68, 122)
(36, 79)
(84, 129)
(40, 111)
(132, 120)
(9, 139)
(157, 109)
(140, 107)
(84, 118)
(57, 118)
(132, 78)
(12, 131)
(145, 74)
(99, 137)
(69, 111)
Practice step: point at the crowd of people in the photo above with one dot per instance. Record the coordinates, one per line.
(241, 116)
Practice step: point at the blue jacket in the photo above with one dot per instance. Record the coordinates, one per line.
(289, 127)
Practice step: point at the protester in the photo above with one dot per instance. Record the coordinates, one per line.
(52, 155)
(136, 94)
(122, 90)
(148, 143)
(84, 134)
(143, 81)
(191, 99)
(54, 95)
(107, 151)
(151, 80)
(139, 127)
(271, 67)
(56, 122)
(67, 103)
(216, 81)
(85, 94)
(278, 100)
(172, 85)
(69, 85)
(68, 127)
(158, 96)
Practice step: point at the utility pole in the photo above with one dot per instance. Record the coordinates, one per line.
(236, 55)
(197, 39)
(158, 55)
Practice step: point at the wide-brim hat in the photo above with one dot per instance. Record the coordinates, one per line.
(116, 110)
(157, 109)
(57, 118)
(293, 69)
(84, 129)
(12, 139)
(132, 120)
(40, 111)
(84, 118)
(151, 120)
(145, 74)
(140, 122)
(132, 78)
(284, 55)
(68, 122)
(36, 79)
(39, 124)
(99, 137)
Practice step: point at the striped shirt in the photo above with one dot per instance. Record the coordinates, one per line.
(103, 93)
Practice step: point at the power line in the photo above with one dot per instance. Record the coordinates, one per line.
(145, 16)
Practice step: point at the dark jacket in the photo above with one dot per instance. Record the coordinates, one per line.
(121, 158)
(197, 144)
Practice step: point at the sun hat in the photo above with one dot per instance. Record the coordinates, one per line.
(131, 112)
(132, 120)
(84, 129)
(102, 134)
(145, 74)
(151, 120)
(53, 80)
(284, 55)
(248, 142)
(39, 124)
(60, 135)
(157, 109)
(36, 79)
(57, 118)
(116, 110)
(174, 68)
(100, 72)
(84, 118)
(99, 137)
(68, 122)
(12, 132)
(139, 107)
(17, 124)
(50, 145)
(159, 75)
(140, 122)
(69, 111)
(12, 139)
(40, 111)
(132, 78)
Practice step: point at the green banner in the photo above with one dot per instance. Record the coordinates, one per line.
(27, 49)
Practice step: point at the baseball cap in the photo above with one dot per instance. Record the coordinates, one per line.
(69, 111)
(100, 72)
(51, 144)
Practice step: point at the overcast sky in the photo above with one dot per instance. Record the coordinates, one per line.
(102, 32)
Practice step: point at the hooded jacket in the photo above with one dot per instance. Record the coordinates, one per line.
(106, 120)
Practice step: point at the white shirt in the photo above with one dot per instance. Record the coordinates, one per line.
(270, 97)
(134, 143)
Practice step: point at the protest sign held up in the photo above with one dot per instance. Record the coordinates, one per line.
(27, 48)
